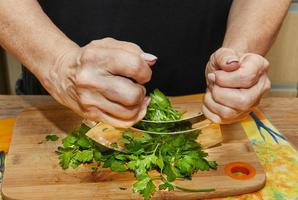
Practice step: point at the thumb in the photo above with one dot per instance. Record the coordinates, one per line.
(149, 58)
(226, 59)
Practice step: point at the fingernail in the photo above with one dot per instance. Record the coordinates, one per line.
(89, 123)
(232, 60)
(211, 77)
(146, 101)
(148, 57)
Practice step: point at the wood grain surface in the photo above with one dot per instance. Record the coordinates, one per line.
(282, 112)
(32, 169)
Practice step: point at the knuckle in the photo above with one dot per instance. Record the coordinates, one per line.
(82, 78)
(108, 39)
(257, 60)
(227, 113)
(266, 63)
(92, 113)
(267, 85)
(221, 56)
(220, 51)
(116, 60)
(134, 46)
(136, 65)
(95, 42)
(137, 61)
(88, 55)
(146, 76)
(218, 54)
(250, 77)
(134, 96)
(262, 63)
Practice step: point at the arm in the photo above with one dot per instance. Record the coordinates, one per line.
(253, 25)
(91, 79)
(28, 34)
(237, 73)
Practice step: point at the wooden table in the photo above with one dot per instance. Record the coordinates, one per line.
(282, 112)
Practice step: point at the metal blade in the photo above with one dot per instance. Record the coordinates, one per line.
(195, 127)
(194, 119)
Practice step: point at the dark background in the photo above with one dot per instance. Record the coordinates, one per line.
(3, 74)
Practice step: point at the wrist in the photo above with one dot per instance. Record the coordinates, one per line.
(240, 47)
(46, 60)
(59, 66)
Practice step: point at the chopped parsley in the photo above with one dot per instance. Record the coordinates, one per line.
(173, 156)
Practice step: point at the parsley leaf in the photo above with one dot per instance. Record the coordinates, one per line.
(65, 159)
(118, 166)
(84, 156)
(141, 184)
(52, 138)
(84, 142)
(69, 140)
(160, 108)
(148, 191)
(97, 155)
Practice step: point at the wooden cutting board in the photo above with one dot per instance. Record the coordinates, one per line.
(32, 171)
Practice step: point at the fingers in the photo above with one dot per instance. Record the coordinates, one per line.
(222, 111)
(217, 119)
(105, 81)
(123, 91)
(210, 115)
(94, 98)
(241, 99)
(225, 59)
(125, 46)
(117, 62)
(252, 66)
(115, 88)
(221, 114)
(236, 84)
(129, 65)
(95, 114)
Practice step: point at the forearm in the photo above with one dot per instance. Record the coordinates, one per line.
(253, 24)
(28, 34)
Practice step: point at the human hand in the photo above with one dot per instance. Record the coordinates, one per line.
(102, 81)
(236, 83)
